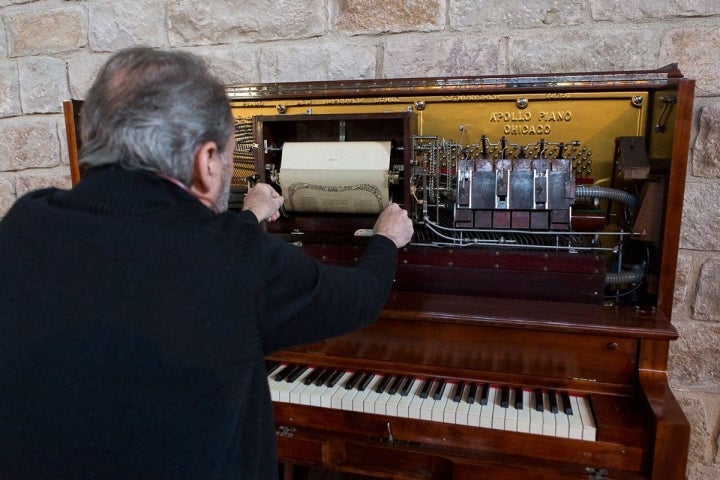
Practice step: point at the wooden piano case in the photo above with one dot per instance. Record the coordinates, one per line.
(496, 288)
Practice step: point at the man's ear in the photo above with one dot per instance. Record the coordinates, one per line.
(207, 181)
(206, 169)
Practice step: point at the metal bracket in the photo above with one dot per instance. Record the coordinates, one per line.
(596, 473)
(665, 113)
(285, 431)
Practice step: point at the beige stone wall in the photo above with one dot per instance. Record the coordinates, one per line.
(51, 49)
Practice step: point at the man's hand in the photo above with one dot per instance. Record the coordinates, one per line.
(394, 224)
(264, 202)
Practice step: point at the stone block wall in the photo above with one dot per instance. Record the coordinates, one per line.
(50, 51)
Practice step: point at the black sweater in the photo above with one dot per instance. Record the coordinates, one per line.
(133, 326)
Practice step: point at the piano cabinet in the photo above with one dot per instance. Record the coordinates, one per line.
(592, 352)
(547, 218)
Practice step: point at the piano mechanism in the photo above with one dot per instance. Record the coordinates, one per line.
(528, 328)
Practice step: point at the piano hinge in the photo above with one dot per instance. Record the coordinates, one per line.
(596, 473)
(285, 431)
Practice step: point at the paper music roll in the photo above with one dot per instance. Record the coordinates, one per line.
(337, 177)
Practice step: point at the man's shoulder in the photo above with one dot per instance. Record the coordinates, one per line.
(30, 201)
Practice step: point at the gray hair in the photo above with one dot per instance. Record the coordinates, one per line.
(151, 109)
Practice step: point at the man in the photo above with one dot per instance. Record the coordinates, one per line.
(135, 311)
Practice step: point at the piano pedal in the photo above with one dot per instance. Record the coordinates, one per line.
(390, 438)
(285, 431)
(596, 473)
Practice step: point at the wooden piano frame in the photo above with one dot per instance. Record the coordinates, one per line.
(523, 317)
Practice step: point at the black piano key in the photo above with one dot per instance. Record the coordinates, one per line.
(472, 392)
(437, 395)
(313, 376)
(408, 385)
(337, 375)
(552, 397)
(396, 384)
(383, 384)
(484, 394)
(362, 384)
(426, 388)
(505, 396)
(353, 380)
(518, 398)
(282, 374)
(457, 394)
(433, 387)
(325, 376)
(296, 373)
(539, 405)
(566, 403)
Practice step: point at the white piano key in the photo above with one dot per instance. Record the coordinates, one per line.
(461, 413)
(381, 400)
(449, 406)
(536, 418)
(562, 424)
(391, 406)
(548, 418)
(416, 401)
(403, 407)
(370, 398)
(346, 402)
(523, 415)
(283, 388)
(475, 414)
(438, 409)
(338, 391)
(272, 382)
(589, 428)
(498, 415)
(511, 413)
(307, 394)
(323, 397)
(317, 394)
(486, 412)
(299, 387)
(428, 402)
(576, 427)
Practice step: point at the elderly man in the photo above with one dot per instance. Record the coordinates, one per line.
(135, 310)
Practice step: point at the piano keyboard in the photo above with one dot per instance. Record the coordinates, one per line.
(485, 405)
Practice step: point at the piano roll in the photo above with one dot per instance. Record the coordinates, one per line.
(335, 177)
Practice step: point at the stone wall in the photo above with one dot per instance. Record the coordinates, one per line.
(51, 49)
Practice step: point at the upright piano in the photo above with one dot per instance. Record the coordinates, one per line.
(527, 331)
(528, 328)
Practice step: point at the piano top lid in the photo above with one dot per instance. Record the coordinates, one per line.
(632, 79)
(531, 314)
